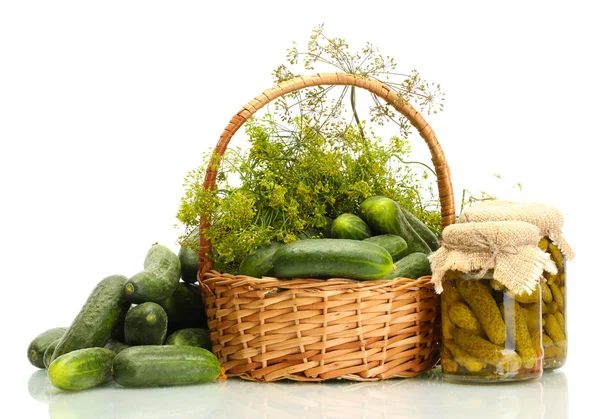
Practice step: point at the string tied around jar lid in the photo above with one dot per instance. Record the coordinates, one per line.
(508, 247)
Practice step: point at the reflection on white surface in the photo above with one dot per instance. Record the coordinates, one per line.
(427, 396)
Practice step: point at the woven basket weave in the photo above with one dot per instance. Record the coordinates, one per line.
(303, 329)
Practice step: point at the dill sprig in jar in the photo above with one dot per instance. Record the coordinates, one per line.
(485, 272)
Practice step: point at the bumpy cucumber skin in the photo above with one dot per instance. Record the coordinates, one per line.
(350, 226)
(422, 230)
(190, 337)
(260, 264)
(412, 266)
(385, 217)
(396, 245)
(329, 258)
(189, 264)
(462, 316)
(479, 297)
(39, 344)
(146, 324)
(185, 308)
(115, 345)
(81, 369)
(188, 258)
(97, 318)
(158, 280)
(486, 351)
(519, 333)
(164, 365)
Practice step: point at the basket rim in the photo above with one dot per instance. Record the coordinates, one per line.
(376, 87)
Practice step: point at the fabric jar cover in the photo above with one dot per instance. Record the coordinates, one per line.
(549, 219)
(510, 248)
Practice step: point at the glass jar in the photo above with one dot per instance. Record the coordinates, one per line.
(554, 303)
(488, 333)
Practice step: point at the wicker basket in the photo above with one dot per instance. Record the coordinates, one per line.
(267, 329)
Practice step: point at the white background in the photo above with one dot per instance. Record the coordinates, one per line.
(105, 106)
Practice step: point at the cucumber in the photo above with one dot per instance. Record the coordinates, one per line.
(81, 369)
(367, 204)
(164, 365)
(396, 245)
(422, 230)
(413, 266)
(37, 347)
(97, 318)
(327, 258)
(385, 216)
(350, 226)
(260, 263)
(190, 337)
(159, 278)
(188, 258)
(115, 345)
(146, 324)
(49, 352)
(185, 308)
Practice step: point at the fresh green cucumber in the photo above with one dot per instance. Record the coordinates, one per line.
(97, 318)
(367, 204)
(396, 245)
(81, 369)
(49, 352)
(39, 344)
(385, 216)
(188, 258)
(328, 258)
(159, 278)
(422, 230)
(189, 264)
(190, 337)
(146, 324)
(413, 266)
(164, 365)
(350, 226)
(185, 308)
(115, 345)
(260, 264)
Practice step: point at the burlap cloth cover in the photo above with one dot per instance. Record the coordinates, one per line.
(549, 219)
(510, 248)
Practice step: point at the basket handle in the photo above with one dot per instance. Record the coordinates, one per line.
(376, 87)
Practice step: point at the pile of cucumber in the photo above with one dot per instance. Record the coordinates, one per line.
(144, 331)
(382, 241)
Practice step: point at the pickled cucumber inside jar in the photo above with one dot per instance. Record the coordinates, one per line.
(554, 315)
(488, 335)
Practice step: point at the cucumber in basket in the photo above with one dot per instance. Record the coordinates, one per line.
(328, 258)
(411, 266)
(350, 226)
(384, 216)
(396, 245)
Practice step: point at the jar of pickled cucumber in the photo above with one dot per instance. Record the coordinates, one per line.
(550, 222)
(490, 276)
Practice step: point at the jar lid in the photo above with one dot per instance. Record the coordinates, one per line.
(547, 218)
(510, 248)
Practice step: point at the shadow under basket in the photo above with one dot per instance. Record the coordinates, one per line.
(312, 330)
(269, 329)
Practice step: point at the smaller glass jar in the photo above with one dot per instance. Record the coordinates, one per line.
(488, 333)
(554, 310)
